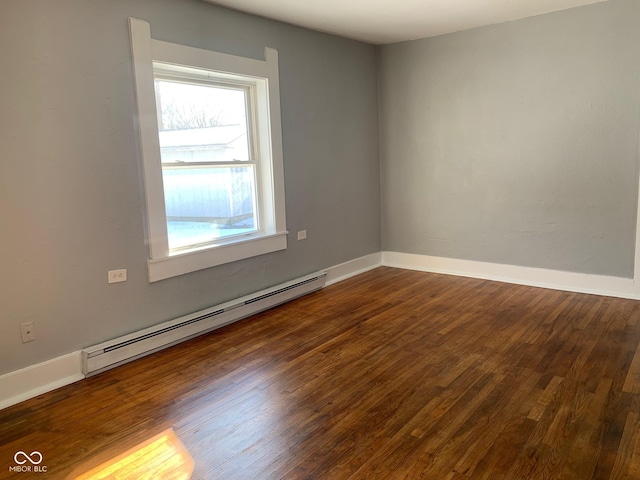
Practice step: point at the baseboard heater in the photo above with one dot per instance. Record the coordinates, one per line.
(104, 356)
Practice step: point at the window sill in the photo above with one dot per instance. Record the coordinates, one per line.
(199, 259)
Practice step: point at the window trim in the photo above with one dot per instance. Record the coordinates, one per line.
(264, 77)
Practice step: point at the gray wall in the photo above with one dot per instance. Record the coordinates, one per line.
(516, 143)
(70, 198)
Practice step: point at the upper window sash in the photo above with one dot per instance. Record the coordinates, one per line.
(240, 85)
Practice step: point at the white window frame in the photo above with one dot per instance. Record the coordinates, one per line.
(263, 77)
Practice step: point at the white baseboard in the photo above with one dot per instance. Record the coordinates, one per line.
(35, 380)
(536, 277)
(349, 269)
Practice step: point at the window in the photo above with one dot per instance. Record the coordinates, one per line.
(211, 148)
(208, 164)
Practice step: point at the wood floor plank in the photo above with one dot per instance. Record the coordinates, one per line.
(632, 381)
(545, 399)
(626, 450)
(390, 374)
(588, 443)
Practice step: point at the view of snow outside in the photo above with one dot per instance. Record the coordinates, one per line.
(205, 124)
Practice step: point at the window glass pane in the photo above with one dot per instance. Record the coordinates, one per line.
(201, 123)
(207, 203)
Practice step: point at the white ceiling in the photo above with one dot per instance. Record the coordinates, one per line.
(388, 21)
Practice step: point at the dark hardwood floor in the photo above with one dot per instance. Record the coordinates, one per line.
(391, 374)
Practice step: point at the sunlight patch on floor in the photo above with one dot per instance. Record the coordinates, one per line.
(162, 457)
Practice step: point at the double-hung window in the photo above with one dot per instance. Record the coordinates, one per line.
(211, 147)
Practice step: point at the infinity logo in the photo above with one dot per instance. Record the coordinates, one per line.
(35, 458)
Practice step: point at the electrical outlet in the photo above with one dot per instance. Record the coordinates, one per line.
(302, 234)
(117, 276)
(28, 333)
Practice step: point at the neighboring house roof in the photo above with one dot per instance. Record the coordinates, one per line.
(212, 136)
